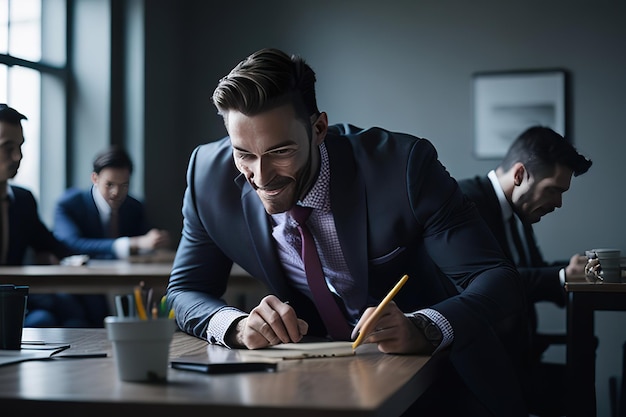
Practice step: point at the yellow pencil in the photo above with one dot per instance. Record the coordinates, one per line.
(141, 310)
(365, 329)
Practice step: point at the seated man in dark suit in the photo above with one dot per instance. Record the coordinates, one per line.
(528, 184)
(104, 221)
(21, 231)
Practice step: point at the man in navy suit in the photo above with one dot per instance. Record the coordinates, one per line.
(529, 183)
(105, 222)
(382, 206)
(83, 218)
(21, 229)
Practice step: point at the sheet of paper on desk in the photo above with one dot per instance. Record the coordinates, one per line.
(301, 350)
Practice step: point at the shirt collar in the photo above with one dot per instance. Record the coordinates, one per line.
(319, 195)
(505, 206)
(101, 204)
(10, 193)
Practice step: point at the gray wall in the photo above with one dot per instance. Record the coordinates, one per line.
(406, 65)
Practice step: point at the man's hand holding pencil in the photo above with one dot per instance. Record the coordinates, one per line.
(387, 326)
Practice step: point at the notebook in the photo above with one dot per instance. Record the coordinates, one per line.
(300, 351)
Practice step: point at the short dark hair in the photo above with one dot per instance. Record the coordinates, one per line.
(113, 157)
(267, 79)
(10, 115)
(540, 149)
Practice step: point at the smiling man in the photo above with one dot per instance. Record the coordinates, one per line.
(379, 205)
(279, 162)
(528, 184)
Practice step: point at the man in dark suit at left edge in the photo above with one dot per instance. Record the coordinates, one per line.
(21, 228)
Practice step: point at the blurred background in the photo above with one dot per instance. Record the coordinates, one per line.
(89, 73)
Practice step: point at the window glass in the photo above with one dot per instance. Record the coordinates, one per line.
(33, 80)
(25, 29)
(24, 83)
(20, 85)
(4, 27)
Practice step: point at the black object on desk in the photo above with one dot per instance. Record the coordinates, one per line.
(224, 368)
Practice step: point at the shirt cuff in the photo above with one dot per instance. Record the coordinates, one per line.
(443, 324)
(562, 276)
(220, 322)
(121, 247)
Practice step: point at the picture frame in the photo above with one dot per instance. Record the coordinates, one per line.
(507, 103)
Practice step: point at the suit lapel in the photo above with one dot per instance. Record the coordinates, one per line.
(349, 206)
(260, 231)
(495, 221)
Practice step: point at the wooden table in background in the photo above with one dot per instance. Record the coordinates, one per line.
(367, 384)
(584, 299)
(117, 277)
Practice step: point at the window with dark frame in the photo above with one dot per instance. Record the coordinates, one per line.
(33, 79)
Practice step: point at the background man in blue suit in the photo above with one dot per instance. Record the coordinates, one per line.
(21, 229)
(381, 205)
(104, 221)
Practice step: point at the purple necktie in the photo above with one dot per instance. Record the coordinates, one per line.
(332, 317)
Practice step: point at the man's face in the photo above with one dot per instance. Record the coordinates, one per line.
(11, 141)
(535, 198)
(113, 184)
(273, 151)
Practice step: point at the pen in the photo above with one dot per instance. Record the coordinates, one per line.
(148, 304)
(79, 355)
(124, 305)
(372, 319)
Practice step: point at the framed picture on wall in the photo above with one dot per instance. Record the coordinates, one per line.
(507, 103)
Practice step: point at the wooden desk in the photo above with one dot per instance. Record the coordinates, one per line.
(368, 384)
(584, 299)
(117, 277)
(111, 276)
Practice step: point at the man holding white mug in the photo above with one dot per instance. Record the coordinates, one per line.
(603, 265)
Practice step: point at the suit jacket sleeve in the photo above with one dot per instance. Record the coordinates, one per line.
(77, 224)
(463, 248)
(543, 284)
(201, 269)
(490, 312)
(27, 229)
